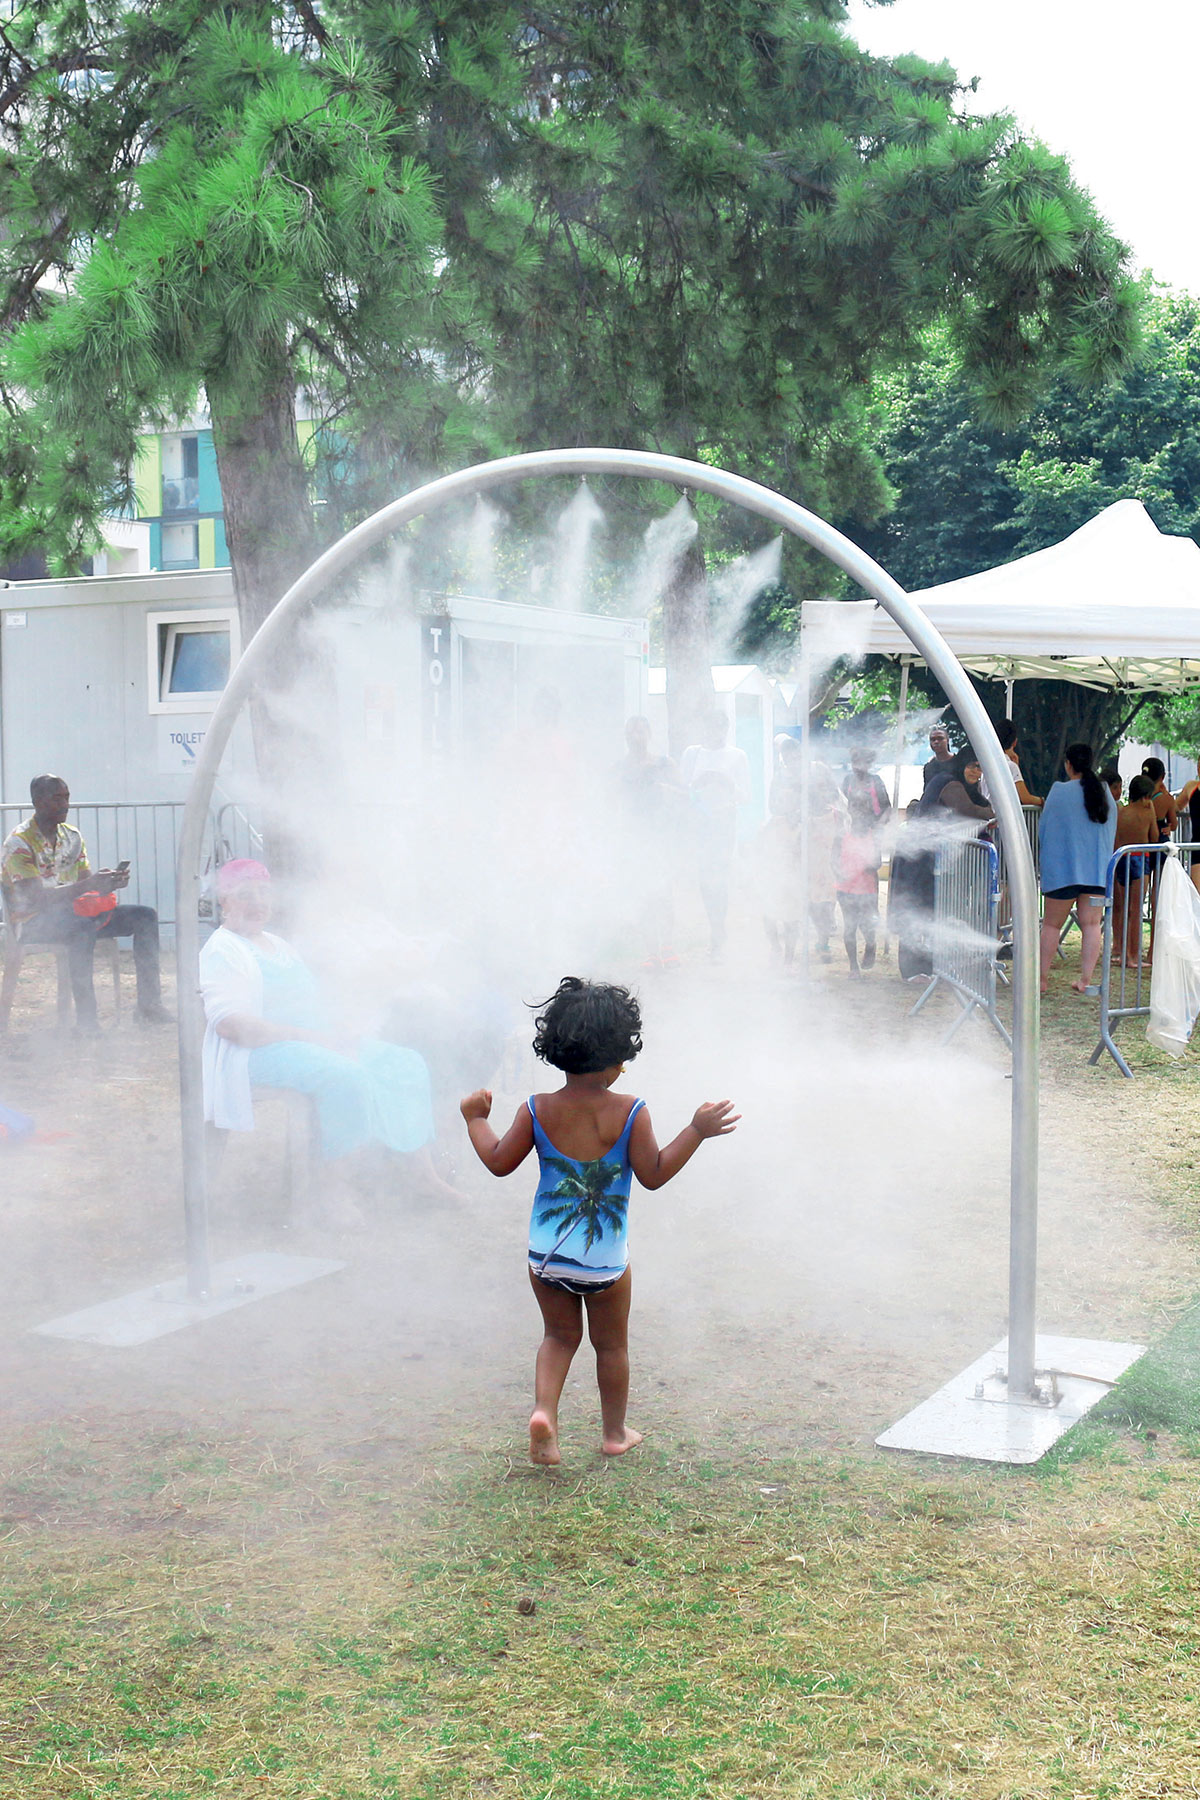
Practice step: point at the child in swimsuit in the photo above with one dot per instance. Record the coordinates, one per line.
(590, 1143)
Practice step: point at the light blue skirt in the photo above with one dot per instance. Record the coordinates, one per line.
(380, 1096)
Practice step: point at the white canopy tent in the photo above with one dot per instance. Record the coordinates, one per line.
(1115, 605)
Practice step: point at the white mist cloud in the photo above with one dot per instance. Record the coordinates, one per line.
(734, 588)
(573, 532)
(663, 543)
(479, 564)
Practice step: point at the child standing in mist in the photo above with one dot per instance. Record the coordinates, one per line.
(590, 1143)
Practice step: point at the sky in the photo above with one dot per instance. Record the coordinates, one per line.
(1118, 102)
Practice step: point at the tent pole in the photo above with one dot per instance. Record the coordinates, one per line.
(901, 717)
(804, 699)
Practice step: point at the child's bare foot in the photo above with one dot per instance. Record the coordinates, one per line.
(543, 1441)
(617, 1446)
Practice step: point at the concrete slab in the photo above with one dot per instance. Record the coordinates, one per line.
(167, 1306)
(975, 1416)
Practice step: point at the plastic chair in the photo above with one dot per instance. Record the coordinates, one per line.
(15, 952)
(301, 1147)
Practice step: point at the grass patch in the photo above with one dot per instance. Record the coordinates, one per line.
(1161, 1392)
(1158, 1397)
(671, 1626)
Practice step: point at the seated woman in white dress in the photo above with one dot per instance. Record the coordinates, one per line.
(266, 1029)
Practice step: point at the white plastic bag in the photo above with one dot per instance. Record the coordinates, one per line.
(1175, 979)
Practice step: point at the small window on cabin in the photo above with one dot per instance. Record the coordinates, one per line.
(195, 660)
(191, 655)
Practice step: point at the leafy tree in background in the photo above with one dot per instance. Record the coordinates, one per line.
(721, 220)
(477, 226)
(1172, 720)
(968, 497)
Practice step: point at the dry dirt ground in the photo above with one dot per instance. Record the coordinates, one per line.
(800, 1285)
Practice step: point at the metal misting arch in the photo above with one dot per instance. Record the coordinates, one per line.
(787, 516)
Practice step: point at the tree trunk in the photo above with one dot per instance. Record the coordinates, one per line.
(823, 695)
(272, 539)
(265, 486)
(686, 649)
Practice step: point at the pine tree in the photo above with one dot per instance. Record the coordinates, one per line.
(702, 230)
(268, 235)
(481, 225)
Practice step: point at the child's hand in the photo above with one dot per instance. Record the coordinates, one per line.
(716, 1118)
(477, 1105)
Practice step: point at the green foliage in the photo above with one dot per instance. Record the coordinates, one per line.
(874, 687)
(768, 627)
(1173, 720)
(1162, 1390)
(268, 229)
(969, 497)
(472, 228)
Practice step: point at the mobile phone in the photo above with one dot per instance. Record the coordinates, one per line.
(123, 867)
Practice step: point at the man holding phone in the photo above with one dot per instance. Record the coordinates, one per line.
(52, 896)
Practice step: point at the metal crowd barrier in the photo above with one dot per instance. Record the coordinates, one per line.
(966, 889)
(235, 833)
(1031, 816)
(1130, 897)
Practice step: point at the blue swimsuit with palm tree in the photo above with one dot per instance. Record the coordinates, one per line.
(578, 1228)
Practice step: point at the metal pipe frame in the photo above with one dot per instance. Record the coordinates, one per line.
(901, 722)
(786, 515)
(1151, 859)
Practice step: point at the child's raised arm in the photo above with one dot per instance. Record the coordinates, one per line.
(654, 1167)
(500, 1155)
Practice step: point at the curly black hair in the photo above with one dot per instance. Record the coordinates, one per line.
(586, 1026)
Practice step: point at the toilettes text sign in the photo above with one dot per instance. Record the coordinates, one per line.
(180, 740)
(435, 685)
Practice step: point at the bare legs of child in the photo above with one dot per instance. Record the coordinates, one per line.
(608, 1329)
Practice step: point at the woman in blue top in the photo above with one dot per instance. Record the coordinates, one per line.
(590, 1143)
(1075, 835)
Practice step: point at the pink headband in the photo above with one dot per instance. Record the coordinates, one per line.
(241, 869)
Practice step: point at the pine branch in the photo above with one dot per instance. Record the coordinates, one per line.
(81, 62)
(820, 702)
(775, 159)
(315, 28)
(326, 349)
(535, 21)
(20, 295)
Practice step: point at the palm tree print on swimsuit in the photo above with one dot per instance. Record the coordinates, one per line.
(584, 1198)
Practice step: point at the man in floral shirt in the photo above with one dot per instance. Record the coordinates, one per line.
(44, 870)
